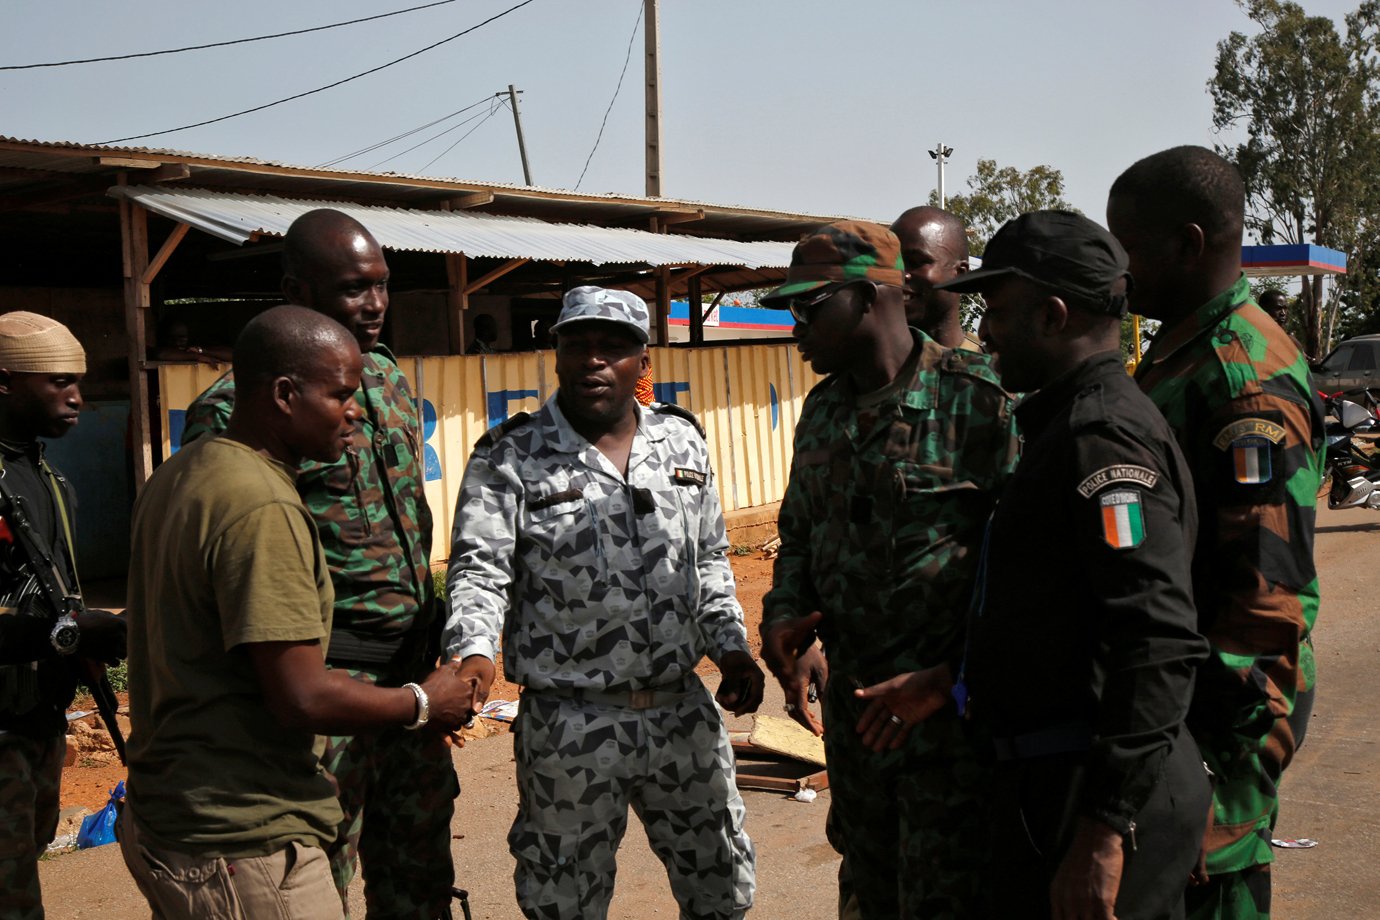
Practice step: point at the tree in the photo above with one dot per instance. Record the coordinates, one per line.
(1306, 98)
(998, 193)
(995, 195)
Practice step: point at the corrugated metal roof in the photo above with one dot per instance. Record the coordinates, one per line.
(230, 160)
(237, 218)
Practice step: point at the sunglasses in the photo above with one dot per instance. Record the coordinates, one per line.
(803, 306)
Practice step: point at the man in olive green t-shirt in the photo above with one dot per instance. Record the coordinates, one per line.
(230, 610)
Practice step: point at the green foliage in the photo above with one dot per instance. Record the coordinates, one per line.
(118, 677)
(995, 195)
(438, 581)
(1305, 97)
(998, 193)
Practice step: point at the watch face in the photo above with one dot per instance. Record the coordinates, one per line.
(65, 637)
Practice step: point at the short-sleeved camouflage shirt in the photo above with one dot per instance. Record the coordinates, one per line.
(598, 582)
(369, 505)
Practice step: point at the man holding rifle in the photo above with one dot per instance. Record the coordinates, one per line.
(47, 638)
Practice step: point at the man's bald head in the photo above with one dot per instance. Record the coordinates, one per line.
(934, 246)
(286, 341)
(296, 374)
(331, 263)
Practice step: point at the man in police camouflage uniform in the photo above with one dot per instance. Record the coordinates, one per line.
(397, 788)
(42, 651)
(591, 534)
(899, 455)
(1236, 392)
(1083, 640)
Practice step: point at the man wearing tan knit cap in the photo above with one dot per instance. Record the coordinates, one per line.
(41, 649)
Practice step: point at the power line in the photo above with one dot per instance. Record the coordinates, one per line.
(438, 156)
(310, 92)
(397, 137)
(628, 58)
(237, 41)
(455, 127)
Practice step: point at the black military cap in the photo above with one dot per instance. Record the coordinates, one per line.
(1059, 249)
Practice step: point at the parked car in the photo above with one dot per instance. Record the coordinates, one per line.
(1352, 367)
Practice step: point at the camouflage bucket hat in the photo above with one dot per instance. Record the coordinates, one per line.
(837, 254)
(589, 302)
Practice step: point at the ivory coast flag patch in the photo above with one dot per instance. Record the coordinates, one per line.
(1251, 460)
(1123, 526)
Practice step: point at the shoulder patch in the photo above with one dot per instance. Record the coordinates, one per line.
(497, 433)
(1121, 472)
(1123, 525)
(681, 412)
(1248, 428)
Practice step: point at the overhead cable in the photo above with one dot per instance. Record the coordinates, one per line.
(455, 127)
(235, 41)
(397, 137)
(631, 38)
(319, 89)
(438, 156)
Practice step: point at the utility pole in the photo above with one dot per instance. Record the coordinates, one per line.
(517, 122)
(940, 155)
(653, 100)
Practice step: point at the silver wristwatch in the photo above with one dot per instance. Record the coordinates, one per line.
(66, 635)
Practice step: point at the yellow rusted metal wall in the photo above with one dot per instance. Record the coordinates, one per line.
(748, 398)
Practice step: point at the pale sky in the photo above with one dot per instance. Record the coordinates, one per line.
(797, 105)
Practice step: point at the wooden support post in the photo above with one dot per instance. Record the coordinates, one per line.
(164, 253)
(490, 277)
(134, 238)
(457, 300)
(696, 311)
(663, 306)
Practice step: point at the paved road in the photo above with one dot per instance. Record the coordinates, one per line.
(1331, 793)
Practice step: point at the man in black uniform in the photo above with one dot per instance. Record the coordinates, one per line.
(41, 649)
(1082, 644)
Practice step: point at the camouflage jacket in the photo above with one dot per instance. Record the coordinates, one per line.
(604, 583)
(880, 527)
(369, 506)
(1237, 395)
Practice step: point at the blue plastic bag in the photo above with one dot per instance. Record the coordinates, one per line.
(99, 829)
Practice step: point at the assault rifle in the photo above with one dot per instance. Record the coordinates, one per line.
(48, 595)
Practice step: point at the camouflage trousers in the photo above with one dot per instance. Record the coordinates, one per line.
(30, 772)
(580, 765)
(1243, 895)
(911, 824)
(397, 789)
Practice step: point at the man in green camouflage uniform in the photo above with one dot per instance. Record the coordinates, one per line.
(1236, 392)
(898, 458)
(397, 788)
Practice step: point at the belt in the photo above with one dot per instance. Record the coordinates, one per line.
(649, 698)
(1058, 739)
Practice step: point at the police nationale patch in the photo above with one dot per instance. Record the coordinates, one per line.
(689, 477)
(1124, 472)
(1248, 428)
(1123, 524)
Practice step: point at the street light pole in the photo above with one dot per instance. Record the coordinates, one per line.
(940, 155)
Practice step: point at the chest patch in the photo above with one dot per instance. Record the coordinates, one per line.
(1123, 525)
(1123, 472)
(688, 477)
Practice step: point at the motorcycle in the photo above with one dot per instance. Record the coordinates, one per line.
(1354, 469)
